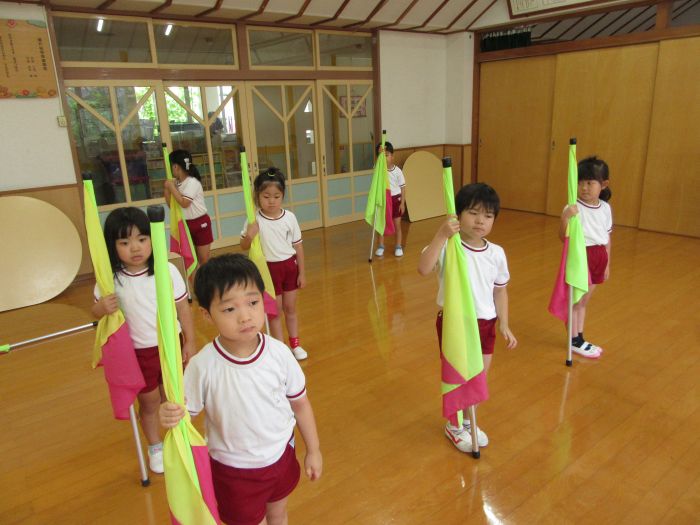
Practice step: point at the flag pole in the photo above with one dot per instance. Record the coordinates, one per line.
(11, 346)
(371, 244)
(476, 454)
(145, 482)
(569, 360)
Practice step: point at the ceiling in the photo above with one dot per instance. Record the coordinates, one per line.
(430, 16)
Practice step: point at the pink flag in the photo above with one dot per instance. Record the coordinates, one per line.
(559, 302)
(122, 372)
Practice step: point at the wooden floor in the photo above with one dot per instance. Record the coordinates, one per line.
(612, 441)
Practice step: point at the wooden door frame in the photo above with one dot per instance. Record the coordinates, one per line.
(327, 221)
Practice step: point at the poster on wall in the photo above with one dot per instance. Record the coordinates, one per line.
(26, 65)
(522, 8)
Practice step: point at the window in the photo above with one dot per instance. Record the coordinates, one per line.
(282, 49)
(178, 43)
(345, 50)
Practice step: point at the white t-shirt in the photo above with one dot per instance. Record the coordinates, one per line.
(596, 221)
(191, 189)
(277, 236)
(248, 416)
(137, 299)
(396, 180)
(487, 269)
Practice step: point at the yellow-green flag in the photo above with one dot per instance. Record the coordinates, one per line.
(255, 252)
(463, 376)
(188, 481)
(114, 349)
(378, 212)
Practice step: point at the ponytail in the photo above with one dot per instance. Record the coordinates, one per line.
(183, 159)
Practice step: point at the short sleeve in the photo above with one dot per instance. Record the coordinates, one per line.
(400, 178)
(245, 228)
(502, 274)
(295, 382)
(296, 231)
(96, 293)
(193, 380)
(179, 288)
(609, 220)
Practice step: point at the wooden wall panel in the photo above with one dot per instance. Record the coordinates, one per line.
(671, 195)
(515, 116)
(603, 98)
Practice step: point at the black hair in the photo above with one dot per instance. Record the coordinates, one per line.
(593, 168)
(388, 146)
(269, 176)
(476, 194)
(221, 273)
(183, 159)
(118, 225)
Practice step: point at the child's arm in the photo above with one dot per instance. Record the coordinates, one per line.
(402, 206)
(171, 187)
(608, 247)
(429, 257)
(313, 462)
(250, 233)
(105, 305)
(301, 280)
(500, 298)
(568, 212)
(184, 314)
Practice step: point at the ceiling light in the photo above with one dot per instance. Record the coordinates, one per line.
(100, 24)
(168, 29)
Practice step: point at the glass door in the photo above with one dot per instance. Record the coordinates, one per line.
(283, 135)
(347, 121)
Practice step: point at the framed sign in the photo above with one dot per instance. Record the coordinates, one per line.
(26, 64)
(354, 101)
(524, 8)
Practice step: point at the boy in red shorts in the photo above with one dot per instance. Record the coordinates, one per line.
(253, 392)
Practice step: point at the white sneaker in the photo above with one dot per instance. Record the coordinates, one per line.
(460, 438)
(155, 459)
(379, 252)
(398, 251)
(299, 353)
(586, 350)
(481, 438)
(595, 348)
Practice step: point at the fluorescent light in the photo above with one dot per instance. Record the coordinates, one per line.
(100, 24)
(168, 29)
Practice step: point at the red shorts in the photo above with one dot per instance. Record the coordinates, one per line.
(597, 262)
(284, 274)
(149, 363)
(487, 333)
(242, 494)
(396, 206)
(200, 230)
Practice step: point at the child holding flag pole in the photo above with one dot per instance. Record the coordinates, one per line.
(379, 213)
(473, 274)
(586, 224)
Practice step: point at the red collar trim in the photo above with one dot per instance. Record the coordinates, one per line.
(472, 249)
(270, 218)
(250, 360)
(600, 203)
(129, 274)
